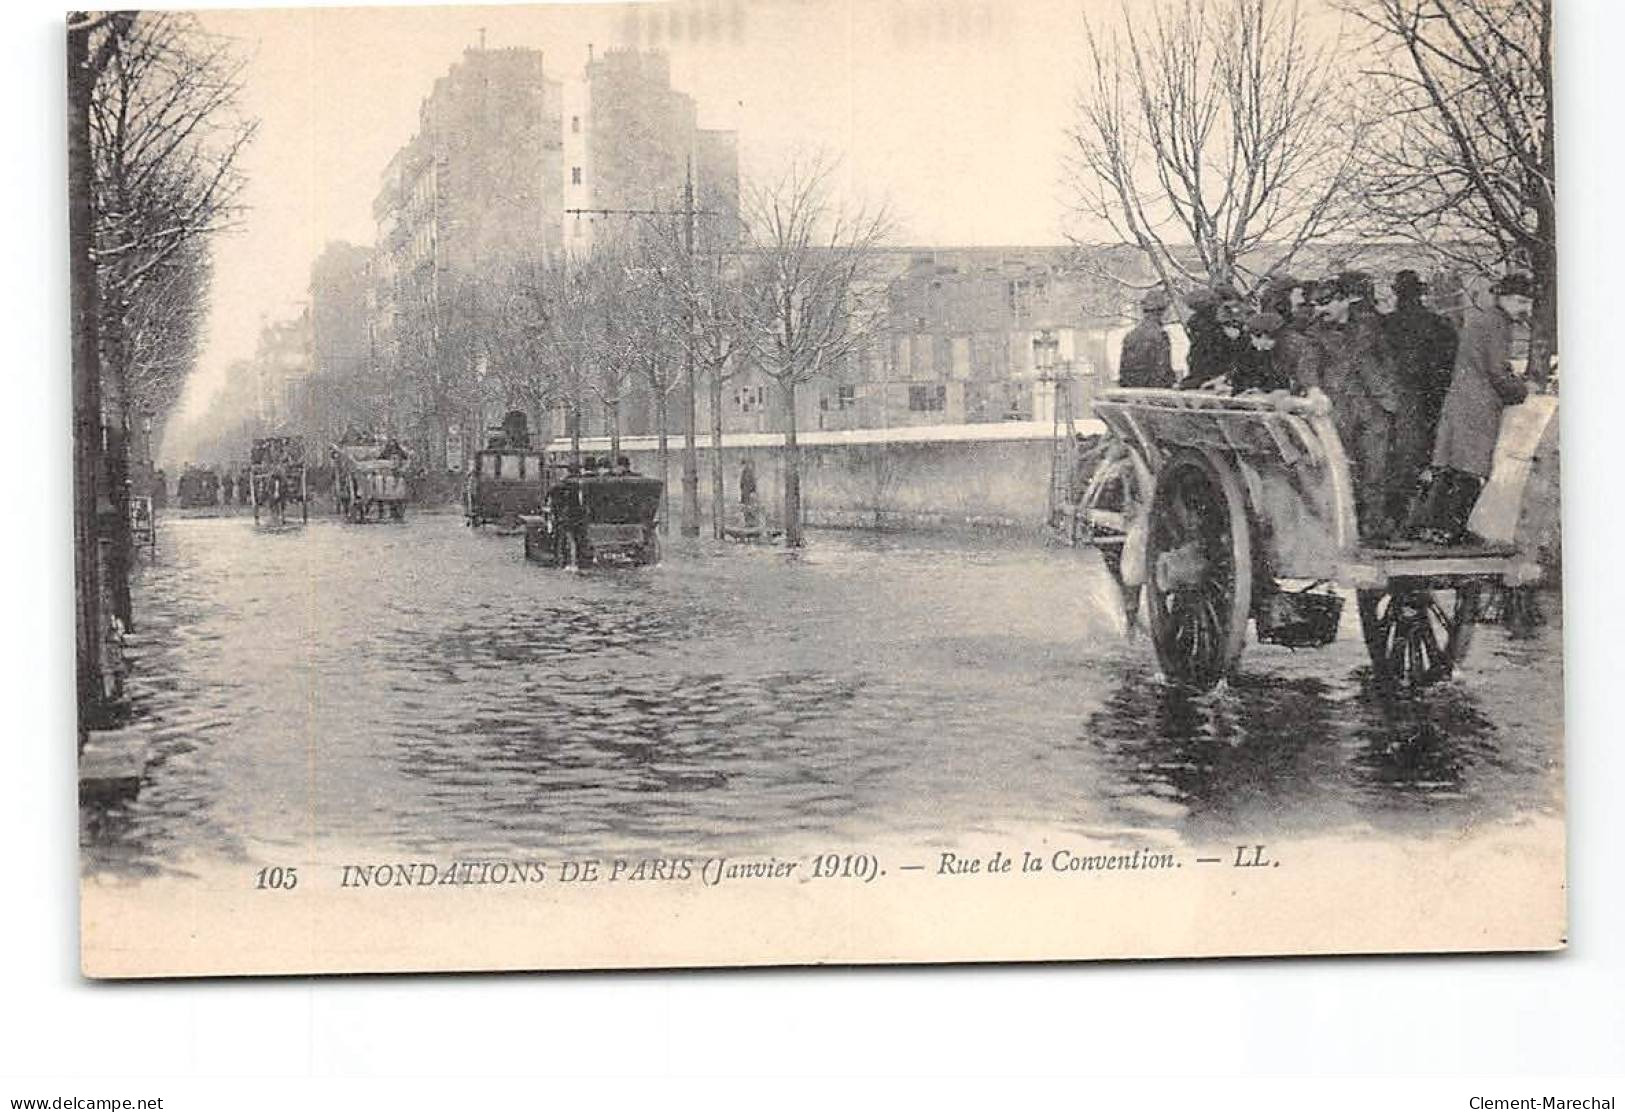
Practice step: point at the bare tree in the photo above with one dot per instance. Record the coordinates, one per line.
(166, 134)
(720, 327)
(813, 293)
(523, 363)
(1463, 157)
(1211, 137)
(698, 272)
(164, 330)
(658, 322)
(91, 38)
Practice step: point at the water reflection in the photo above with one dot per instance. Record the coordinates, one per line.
(422, 688)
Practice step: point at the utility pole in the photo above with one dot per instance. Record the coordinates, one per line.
(691, 453)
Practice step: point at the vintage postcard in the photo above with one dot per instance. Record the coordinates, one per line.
(743, 482)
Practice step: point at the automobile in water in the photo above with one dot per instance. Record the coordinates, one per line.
(595, 515)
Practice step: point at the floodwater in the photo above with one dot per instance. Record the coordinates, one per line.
(420, 687)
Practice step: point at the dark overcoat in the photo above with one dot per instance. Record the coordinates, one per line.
(1146, 359)
(1483, 384)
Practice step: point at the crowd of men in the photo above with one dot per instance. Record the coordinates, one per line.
(1416, 400)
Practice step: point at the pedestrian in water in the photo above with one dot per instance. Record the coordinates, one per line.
(1346, 359)
(1146, 359)
(1482, 385)
(1423, 346)
(747, 491)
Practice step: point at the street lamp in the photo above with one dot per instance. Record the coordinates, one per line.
(1046, 346)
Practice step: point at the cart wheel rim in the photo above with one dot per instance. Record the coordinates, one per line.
(1415, 635)
(1199, 570)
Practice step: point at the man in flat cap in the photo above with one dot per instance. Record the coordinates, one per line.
(1482, 385)
(1146, 358)
(1423, 346)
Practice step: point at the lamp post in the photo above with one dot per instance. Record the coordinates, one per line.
(1054, 373)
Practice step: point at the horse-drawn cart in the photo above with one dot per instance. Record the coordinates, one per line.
(1214, 505)
(369, 480)
(276, 477)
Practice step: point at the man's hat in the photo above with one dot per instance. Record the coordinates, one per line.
(1514, 283)
(1280, 284)
(1356, 285)
(1265, 324)
(1155, 300)
(1407, 281)
(1232, 312)
(1201, 297)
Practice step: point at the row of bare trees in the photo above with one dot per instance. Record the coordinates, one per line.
(155, 137)
(1221, 138)
(787, 290)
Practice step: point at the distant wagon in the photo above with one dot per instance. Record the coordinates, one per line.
(593, 518)
(197, 488)
(508, 479)
(369, 479)
(276, 478)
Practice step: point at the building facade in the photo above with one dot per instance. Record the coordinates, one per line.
(971, 335)
(478, 190)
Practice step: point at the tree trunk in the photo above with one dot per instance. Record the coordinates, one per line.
(612, 417)
(691, 449)
(663, 454)
(89, 622)
(718, 484)
(116, 426)
(1543, 319)
(792, 471)
(574, 417)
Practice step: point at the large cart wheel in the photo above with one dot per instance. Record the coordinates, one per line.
(1199, 565)
(1417, 635)
(1114, 488)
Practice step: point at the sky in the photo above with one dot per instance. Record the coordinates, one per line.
(951, 110)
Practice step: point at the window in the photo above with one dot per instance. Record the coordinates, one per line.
(575, 125)
(575, 175)
(927, 399)
(846, 397)
(750, 398)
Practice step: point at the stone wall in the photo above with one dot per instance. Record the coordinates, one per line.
(947, 477)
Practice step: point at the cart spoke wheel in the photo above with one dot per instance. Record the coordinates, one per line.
(1416, 636)
(1199, 560)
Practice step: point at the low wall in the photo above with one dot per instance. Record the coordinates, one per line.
(942, 477)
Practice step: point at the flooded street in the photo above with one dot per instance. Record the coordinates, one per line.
(420, 688)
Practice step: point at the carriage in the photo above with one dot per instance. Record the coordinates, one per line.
(594, 518)
(505, 484)
(197, 488)
(1225, 510)
(277, 478)
(369, 479)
